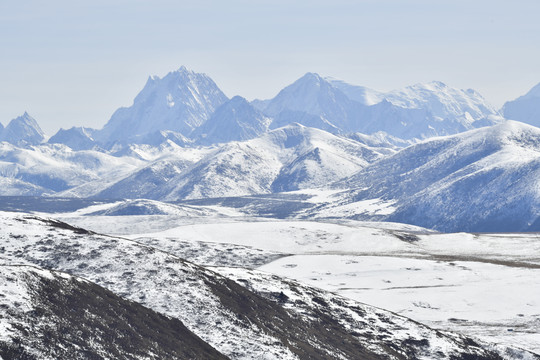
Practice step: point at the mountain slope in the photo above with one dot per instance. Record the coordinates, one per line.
(22, 131)
(525, 108)
(311, 94)
(74, 318)
(293, 322)
(235, 120)
(181, 101)
(482, 180)
(418, 111)
(443, 102)
(288, 158)
(51, 168)
(77, 138)
(358, 93)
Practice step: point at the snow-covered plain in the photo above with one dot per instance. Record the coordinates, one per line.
(484, 285)
(255, 320)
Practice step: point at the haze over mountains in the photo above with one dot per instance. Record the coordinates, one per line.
(184, 139)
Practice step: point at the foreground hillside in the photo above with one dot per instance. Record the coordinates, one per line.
(266, 317)
(52, 315)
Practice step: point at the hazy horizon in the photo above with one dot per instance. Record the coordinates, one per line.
(73, 64)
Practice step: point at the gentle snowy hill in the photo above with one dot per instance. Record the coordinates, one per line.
(236, 120)
(141, 207)
(265, 317)
(51, 168)
(148, 181)
(481, 180)
(48, 314)
(181, 101)
(287, 117)
(525, 108)
(288, 158)
(22, 131)
(77, 138)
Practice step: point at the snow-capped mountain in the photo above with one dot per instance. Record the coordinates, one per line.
(22, 131)
(443, 102)
(481, 180)
(437, 98)
(418, 111)
(244, 315)
(188, 108)
(288, 158)
(235, 120)
(77, 138)
(181, 101)
(525, 108)
(314, 95)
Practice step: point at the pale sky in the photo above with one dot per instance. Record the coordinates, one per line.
(73, 63)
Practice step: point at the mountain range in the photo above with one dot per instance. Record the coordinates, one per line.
(442, 156)
(210, 201)
(481, 180)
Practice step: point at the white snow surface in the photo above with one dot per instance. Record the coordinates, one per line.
(155, 279)
(52, 168)
(484, 285)
(169, 285)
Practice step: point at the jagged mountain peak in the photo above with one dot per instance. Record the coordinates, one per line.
(312, 78)
(313, 95)
(238, 100)
(181, 101)
(77, 138)
(23, 130)
(432, 85)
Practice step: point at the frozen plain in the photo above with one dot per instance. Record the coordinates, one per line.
(483, 285)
